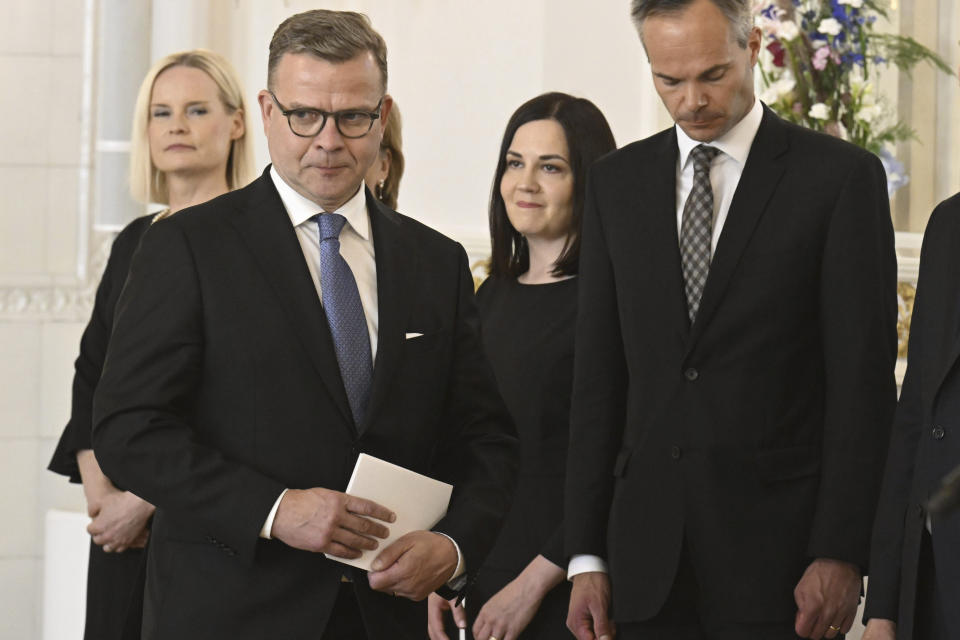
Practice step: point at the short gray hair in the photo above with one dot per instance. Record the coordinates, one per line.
(336, 36)
(739, 14)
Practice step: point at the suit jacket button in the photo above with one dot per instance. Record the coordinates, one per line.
(691, 374)
(938, 433)
(675, 452)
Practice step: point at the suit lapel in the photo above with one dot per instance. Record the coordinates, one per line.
(946, 346)
(663, 243)
(267, 232)
(396, 265)
(757, 183)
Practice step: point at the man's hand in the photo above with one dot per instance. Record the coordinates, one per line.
(435, 608)
(587, 617)
(120, 522)
(880, 629)
(827, 597)
(322, 520)
(414, 565)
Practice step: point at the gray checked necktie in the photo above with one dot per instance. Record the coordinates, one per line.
(696, 229)
(348, 325)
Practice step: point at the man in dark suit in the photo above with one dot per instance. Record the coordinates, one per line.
(915, 558)
(734, 358)
(259, 347)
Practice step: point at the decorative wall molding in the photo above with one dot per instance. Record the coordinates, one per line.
(51, 299)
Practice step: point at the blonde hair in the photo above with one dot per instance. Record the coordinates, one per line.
(147, 183)
(392, 142)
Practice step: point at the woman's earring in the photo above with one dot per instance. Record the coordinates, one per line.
(380, 186)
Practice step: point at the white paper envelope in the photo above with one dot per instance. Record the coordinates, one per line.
(419, 502)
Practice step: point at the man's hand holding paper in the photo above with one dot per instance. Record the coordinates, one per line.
(415, 565)
(331, 522)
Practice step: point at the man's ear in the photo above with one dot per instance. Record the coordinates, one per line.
(754, 41)
(385, 110)
(266, 108)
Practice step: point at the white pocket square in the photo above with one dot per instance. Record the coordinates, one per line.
(410, 336)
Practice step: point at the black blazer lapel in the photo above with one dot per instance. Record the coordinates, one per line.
(757, 183)
(266, 229)
(944, 349)
(397, 259)
(663, 242)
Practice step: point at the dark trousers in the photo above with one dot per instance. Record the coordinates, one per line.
(345, 622)
(114, 594)
(679, 618)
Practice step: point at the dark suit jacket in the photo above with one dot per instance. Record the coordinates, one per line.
(221, 388)
(925, 443)
(759, 433)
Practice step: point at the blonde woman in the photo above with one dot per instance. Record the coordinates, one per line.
(383, 177)
(189, 145)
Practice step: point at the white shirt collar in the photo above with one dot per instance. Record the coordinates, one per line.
(735, 143)
(301, 209)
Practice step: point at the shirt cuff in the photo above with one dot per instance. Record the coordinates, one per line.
(584, 563)
(268, 525)
(458, 579)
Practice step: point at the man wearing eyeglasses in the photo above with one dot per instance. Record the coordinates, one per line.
(301, 323)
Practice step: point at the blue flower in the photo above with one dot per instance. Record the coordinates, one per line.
(896, 175)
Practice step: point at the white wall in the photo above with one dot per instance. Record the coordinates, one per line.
(40, 161)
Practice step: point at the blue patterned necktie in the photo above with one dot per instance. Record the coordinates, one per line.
(348, 325)
(696, 229)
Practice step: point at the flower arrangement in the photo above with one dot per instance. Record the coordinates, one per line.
(821, 71)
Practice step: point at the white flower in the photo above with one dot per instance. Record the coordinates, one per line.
(856, 4)
(830, 27)
(819, 111)
(857, 81)
(844, 134)
(868, 113)
(788, 30)
(778, 89)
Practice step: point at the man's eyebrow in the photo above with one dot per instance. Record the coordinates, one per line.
(717, 67)
(664, 76)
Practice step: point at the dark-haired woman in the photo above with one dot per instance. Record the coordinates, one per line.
(528, 311)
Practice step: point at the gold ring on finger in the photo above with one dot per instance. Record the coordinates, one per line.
(834, 628)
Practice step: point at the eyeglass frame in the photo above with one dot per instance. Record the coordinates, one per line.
(374, 116)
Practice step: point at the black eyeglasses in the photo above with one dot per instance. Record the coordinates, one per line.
(307, 122)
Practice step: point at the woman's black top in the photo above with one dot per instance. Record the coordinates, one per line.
(115, 581)
(528, 333)
(93, 350)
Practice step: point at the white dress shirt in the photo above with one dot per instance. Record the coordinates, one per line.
(356, 247)
(725, 172)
